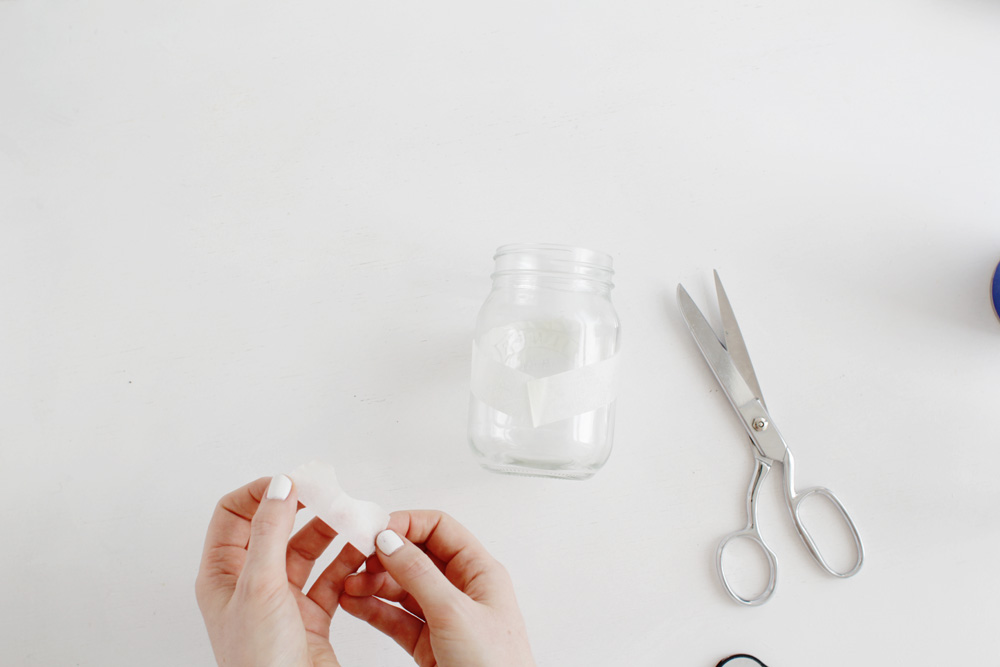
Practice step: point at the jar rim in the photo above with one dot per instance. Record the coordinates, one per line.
(578, 255)
(579, 268)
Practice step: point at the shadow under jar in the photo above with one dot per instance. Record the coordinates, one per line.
(544, 363)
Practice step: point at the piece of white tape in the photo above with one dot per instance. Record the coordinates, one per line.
(358, 521)
(543, 400)
(500, 387)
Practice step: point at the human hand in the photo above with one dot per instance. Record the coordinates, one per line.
(249, 585)
(457, 602)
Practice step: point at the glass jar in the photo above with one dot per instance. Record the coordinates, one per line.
(544, 363)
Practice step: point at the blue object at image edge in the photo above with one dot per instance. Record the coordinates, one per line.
(996, 291)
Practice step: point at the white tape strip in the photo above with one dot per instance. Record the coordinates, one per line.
(545, 400)
(574, 392)
(500, 387)
(358, 521)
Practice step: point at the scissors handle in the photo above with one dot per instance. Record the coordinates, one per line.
(794, 501)
(752, 533)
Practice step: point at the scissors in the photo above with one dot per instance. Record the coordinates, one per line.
(730, 362)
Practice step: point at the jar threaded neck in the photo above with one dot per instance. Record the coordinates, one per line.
(552, 261)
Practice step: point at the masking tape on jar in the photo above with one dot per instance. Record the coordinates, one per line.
(543, 400)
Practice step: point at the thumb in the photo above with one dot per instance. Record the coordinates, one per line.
(416, 573)
(269, 531)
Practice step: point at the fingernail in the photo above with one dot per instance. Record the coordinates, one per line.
(279, 487)
(388, 542)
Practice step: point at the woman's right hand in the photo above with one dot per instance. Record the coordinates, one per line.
(457, 605)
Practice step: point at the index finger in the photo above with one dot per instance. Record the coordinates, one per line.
(226, 543)
(228, 535)
(462, 557)
(439, 532)
(230, 524)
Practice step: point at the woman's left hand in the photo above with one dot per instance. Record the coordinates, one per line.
(249, 586)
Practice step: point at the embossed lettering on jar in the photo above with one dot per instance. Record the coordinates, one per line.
(544, 365)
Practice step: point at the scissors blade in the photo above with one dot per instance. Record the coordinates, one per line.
(734, 340)
(767, 441)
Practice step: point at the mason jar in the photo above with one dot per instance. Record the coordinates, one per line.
(544, 363)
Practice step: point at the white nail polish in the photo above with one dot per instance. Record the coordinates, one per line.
(388, 542)
(279, 487)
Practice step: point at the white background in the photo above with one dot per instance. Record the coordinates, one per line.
(237, 236)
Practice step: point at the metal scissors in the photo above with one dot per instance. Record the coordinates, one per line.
(730, 362)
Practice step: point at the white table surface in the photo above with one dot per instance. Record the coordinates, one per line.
(237, 236)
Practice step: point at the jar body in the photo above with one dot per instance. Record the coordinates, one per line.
(544, 364)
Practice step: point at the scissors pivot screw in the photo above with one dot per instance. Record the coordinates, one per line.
(760, 424)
